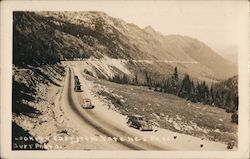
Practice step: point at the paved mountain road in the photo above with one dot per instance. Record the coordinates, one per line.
(94, 120)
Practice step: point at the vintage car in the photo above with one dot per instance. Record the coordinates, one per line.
(87, 104)
(77, 87)
(139, 122)
(76, 77)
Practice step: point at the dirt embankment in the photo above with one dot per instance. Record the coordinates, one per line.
(34, 93)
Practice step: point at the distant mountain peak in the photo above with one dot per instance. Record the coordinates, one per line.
(150, 30)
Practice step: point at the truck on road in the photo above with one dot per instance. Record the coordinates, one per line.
(77, 87)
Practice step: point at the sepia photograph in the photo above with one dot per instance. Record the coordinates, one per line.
(142, 76)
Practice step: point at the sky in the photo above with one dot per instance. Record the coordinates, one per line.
(215, 23)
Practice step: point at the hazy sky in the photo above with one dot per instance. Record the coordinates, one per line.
(213, 22)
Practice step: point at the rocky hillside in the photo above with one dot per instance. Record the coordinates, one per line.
(227, 91)
(33, 93)
(42, 37)
(229, 84)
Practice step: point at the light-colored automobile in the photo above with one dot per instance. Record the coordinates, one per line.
(139, 122)
(87, 104)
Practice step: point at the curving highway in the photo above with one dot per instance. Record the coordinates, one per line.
(96, 121)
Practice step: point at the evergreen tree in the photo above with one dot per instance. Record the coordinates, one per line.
(212, 96)
(186, 87)
(217, 100)
(236, 102)
(167, 86)
(136, 79)
(229, 103)
(176, 77)
(174, 82)
(193, 91)
(147, 79)
(206, 93)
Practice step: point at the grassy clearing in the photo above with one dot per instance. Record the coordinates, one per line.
(171, 112)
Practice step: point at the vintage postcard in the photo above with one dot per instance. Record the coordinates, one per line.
(124, 79)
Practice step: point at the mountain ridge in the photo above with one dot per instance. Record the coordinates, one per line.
(86, 34)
